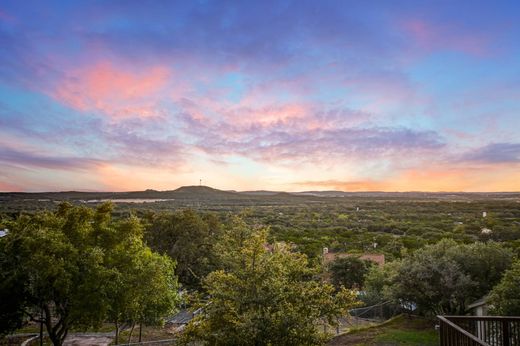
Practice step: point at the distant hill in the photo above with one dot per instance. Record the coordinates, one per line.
(197, 194)
(331, 193)
(202, 191)
(259, 193)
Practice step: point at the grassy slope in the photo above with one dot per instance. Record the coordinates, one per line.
(401, 330)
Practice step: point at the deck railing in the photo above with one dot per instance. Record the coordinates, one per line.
(479, 330)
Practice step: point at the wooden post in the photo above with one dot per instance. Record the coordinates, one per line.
(505, 333)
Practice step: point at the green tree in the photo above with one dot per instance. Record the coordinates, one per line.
(349, 272)
(12, 292)
(265, 296)
(60, 274)
(188, 238)
(505, 297)
(62, 264)
(484, 263)
(443, 278)
(143, 287)
(379, 281)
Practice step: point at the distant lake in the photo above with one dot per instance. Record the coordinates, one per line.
(129, 200)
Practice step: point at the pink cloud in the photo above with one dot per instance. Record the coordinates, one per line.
(432, 36)
(9, 187)
(112, 90)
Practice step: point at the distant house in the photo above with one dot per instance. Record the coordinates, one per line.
(486, 231)
(329, 257)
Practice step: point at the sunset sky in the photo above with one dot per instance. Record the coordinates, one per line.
(278, 95)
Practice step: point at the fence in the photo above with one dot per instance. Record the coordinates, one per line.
(479, 330)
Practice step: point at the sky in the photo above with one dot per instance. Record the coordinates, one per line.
(248, 95)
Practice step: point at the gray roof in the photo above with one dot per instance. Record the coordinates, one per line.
(182, 317)
(480, 302)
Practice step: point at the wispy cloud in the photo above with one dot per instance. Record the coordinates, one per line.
(33, 159)
(495, 153)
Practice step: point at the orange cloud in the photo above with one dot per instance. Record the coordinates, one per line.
(485, 178)
(504, 177)
(122, 177)
(359, 185)
(113, 91)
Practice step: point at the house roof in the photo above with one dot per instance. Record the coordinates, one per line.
(482, 301)
(182, 317)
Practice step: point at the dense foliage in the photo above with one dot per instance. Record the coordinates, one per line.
(255, 262)
(349, 272)
(397, 223)
(505, 297)
(442, 278)
(77, 268)
(188, 238)
(265, 296)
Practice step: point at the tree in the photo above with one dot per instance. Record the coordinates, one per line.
(443, 278)
(505, 297)
(188, 238)
(63, 268)
(12, 293)
(379, 281)
(485, 264)
(143, 287)
(349, 272)
(265, 296)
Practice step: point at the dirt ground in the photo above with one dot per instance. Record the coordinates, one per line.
(88, 341)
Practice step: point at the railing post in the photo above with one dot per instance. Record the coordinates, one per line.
(441, 332)
(505, 333)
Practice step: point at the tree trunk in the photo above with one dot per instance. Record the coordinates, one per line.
(52, 330)
(41, 328)
(117, 332)
(131, 332)
(140, 330)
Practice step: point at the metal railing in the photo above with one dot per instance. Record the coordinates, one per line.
(479, 330)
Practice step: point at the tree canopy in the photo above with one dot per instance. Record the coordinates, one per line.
(76, 268)
(188, 238)
(265, 296)
(441, 278)
(349, 272)
(505, 297)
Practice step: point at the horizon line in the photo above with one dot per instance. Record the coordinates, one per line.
(260, 190)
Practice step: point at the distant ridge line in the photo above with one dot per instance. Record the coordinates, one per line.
(203, 189)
